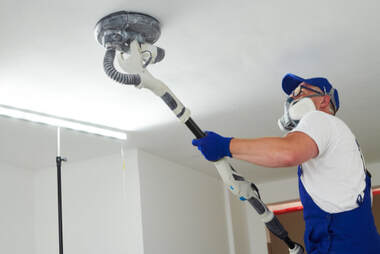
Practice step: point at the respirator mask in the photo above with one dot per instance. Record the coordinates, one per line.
(294, 110)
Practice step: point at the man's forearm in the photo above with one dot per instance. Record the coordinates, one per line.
(268, 152)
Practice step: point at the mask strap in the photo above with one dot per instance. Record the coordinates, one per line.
(332, 98)
(290, 99)
(313, 95)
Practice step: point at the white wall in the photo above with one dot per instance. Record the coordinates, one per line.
(239, 225)
(98, 215)
(182, 209)
(374, 168)
(16, 210)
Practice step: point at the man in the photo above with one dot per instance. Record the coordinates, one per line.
(334, 184)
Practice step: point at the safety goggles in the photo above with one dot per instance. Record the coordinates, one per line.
(298, 91)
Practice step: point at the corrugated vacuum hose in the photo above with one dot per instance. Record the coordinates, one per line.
(110, 70)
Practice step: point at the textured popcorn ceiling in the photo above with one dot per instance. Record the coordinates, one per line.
(224, 60)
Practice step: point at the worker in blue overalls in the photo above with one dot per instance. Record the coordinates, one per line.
(334, 184)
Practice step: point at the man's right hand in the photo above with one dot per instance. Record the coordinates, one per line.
(213, 146)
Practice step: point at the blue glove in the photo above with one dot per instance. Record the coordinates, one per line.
(213, 146)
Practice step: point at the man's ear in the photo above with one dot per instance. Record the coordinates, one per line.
(325, 101)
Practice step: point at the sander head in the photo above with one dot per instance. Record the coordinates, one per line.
(118, 29)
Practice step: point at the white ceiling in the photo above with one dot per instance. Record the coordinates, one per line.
(224, 60)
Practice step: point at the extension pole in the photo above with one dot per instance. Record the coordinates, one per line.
(59, 181)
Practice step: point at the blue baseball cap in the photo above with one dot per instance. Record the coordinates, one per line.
(291, 81)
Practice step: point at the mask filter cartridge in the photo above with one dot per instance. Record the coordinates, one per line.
(294, 110)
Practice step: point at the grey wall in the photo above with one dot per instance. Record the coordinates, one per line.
(154, 206)
(101, 207)
(182, 209)
(16, 210)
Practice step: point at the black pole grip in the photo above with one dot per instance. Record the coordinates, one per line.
(194, 128)
(277, 229)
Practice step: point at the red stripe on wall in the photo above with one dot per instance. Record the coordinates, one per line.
(300, 207)
(288, 210)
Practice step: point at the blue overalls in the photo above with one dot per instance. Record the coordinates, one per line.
(350, 232)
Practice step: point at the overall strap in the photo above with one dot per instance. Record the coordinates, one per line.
(363, 161)
(299, 172)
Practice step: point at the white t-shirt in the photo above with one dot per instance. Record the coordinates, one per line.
(336, 177)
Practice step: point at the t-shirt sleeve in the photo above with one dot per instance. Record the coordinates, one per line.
(317, 125)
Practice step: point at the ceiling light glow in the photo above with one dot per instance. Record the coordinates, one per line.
(40, 118)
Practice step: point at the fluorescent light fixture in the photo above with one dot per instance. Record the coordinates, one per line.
(41, 118)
